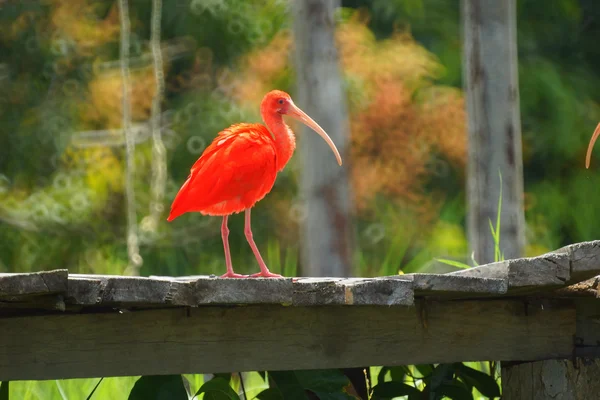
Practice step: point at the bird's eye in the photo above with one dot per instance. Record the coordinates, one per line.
(280, 101)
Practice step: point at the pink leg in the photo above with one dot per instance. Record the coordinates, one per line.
(264, 271)
(225, 236)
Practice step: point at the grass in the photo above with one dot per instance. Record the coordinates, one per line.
(495, 230)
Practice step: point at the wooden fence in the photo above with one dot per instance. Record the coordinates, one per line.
(57, 325)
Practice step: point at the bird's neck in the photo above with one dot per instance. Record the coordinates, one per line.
(285, 141)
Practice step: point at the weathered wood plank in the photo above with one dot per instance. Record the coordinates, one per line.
(218, 339)
(457, 286)
(548, 270)
(587, 337)
(352, 291)
(32, 284)
(298, 291)
(552, 379)
(560, 268)
(88, 290)
(584, 258)
(208, 291)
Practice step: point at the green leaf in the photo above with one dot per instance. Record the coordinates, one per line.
(329, 380)
(485, 383)
(224, 375)
(327, 384)
(92, 392)
(398, 373)
(443, 373)
(158, 387)
(381, 374)
(453, 390)
(425, 369)
(4, 390)
(475, 263)
(389, 390)
(288, 385)
(217, 389)
(263, 374)
(494, 233)
(457, 264)
(270, 394)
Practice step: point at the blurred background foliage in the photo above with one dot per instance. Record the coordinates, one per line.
(62, 151)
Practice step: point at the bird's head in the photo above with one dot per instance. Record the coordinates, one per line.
(279, 102)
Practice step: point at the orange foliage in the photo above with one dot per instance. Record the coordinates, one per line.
(399, 119)
(106, 97)
(75, 20)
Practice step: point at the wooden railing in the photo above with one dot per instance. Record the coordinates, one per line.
(58, 325)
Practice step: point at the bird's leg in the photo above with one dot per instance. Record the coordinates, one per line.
(264, 271)
(225, 236)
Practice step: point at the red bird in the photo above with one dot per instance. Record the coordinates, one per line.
(239, 168)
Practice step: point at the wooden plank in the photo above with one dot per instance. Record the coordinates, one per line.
(587, 337)
(352, 291)
(584, 258)
(548, 270)
(298, 291)
(457, 286)
(208, 291)
(16, 286)
(563, 267)
(551, 379)
(88, 290)
(271, 337)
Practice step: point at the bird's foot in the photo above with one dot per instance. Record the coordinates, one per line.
(233, 275)
(266, 274)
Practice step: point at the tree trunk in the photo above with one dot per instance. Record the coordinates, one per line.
(551, 379)
(326, 231)
(491, 84)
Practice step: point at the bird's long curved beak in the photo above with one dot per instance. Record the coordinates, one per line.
(588, 156)
(301, 116)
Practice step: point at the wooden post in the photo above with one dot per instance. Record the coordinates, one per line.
(551, 379)
(326, 231)
(491, 84)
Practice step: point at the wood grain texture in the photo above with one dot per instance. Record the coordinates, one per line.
(32, 284)
(271, 337)
(491, 80)
(563, 267)
(327, 231)
(444, 285)
(89, 290)
(542, 275)
(552, 379)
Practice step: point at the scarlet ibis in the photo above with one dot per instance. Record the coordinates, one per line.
(239, 168)
(588, 156)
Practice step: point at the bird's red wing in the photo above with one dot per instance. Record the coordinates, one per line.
(233, 173)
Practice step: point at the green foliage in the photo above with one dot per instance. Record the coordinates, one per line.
(159, 387)
(94, 390)
(217, 389)
(455, 381)
(495, 230)
(420, 382)
(390, 390)
(4, 390)
(325, 384)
